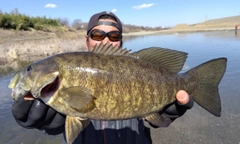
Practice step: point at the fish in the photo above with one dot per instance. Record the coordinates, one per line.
(112, 83)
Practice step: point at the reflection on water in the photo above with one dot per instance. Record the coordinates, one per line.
(197, 125)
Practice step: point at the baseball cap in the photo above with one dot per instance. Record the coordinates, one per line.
(94, 21)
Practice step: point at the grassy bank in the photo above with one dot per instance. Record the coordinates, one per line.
(21, 47)
(27, 46)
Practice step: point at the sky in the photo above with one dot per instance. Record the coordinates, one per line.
(152, 13)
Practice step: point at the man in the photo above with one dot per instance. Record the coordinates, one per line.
(107, 28)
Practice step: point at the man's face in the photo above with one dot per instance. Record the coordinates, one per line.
(90, 43)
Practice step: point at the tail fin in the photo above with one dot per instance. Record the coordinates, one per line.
(209, 75)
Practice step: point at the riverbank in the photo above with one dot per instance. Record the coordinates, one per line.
(27, 46)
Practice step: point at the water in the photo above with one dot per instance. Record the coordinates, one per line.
(197, 125)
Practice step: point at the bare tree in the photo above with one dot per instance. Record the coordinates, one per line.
(64, 21)
(78, 24)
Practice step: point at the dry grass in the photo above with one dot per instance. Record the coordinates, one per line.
(227, 23)
(19, 46)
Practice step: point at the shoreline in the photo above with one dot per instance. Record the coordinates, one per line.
(28, 46)
(177, 30)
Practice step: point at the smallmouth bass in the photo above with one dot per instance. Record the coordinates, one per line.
(111, 83)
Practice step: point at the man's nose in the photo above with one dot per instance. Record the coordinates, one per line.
(106, 40)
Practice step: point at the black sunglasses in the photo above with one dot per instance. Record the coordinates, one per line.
(99, 35)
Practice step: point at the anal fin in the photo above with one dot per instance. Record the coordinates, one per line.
(73, 126)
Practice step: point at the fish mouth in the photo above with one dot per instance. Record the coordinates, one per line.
(45, 94)
(48, 91)
(18, 92)
(28, 96)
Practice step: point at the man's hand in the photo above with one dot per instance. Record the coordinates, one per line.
(36, 114)
(183, 97)
(178, 108)
(175, 110)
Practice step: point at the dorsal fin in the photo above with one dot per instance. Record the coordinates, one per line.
(109, 49)
(171, 60)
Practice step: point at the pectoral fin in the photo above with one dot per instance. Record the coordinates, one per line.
(76, 97)
(73, 127)
(158, 120)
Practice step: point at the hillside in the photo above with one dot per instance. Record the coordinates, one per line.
(227, 20)
(226, 23)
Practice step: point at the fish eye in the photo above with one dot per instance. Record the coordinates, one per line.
(29, 68)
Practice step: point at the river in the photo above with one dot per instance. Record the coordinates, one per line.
(197, 125)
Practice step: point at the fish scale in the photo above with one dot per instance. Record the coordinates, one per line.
(114, 81)
(119, 84)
